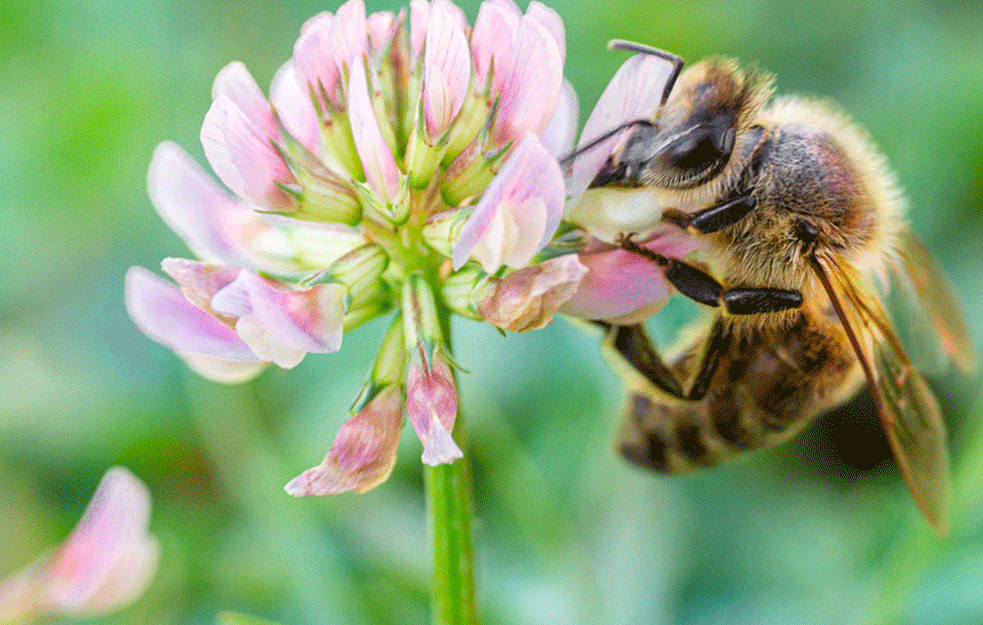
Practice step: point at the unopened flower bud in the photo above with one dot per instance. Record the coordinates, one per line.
(529, 298)
(463, 290)
(443, 229)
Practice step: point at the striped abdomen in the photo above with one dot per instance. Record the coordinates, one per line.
(769, 384)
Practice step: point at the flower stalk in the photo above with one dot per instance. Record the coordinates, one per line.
(449, 511)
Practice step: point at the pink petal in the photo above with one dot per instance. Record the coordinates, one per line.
(382, 25)
(559, 135)
(419, 21)
(530, 96)
(530, 173)
(446, 70)
(431, 402)
(350, 33)
(529, 298)
(280, 324)
(295, 108)
(552, 21)
(236, 83)
(109, 559)
(242, 156)
(162, 312)
(317, 71)
(633, 93)
(363, 453)
(493, 44)
(381, 171)
(624, 286)
(213, 224)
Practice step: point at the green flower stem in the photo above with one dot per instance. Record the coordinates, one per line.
(449, 506)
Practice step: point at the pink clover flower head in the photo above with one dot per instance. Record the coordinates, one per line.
(393, 152)
(104, 565)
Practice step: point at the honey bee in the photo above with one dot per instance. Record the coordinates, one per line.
(799, 215)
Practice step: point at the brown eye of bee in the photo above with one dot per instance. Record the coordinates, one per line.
(699, 148)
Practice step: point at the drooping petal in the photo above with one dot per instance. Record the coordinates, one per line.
(528, 299)
(214, 225)
(295, 108)
(280, 324)
(431, 402)
(446, 70)
(381, 171)
(165, 315)
(632, 94)
(493, 44)
(623, 287)
(518, 213)
(363, 453)
(562, 130)
(105, 564)
(241, 154)
(530, 96)
(236, 83)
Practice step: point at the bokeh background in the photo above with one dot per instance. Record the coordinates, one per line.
(820, 530)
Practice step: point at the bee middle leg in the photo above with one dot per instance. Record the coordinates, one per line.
(700, 286)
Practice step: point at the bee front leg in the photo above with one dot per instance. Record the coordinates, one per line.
(700, 286)
(715, 218)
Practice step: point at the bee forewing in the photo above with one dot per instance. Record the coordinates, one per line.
(907, 408)
(932, 297)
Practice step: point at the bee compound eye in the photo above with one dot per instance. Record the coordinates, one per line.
(699, 148)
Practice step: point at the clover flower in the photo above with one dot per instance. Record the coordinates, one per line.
(105, 564)
(401, 164)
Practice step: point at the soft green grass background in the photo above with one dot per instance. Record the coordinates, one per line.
(818, 531)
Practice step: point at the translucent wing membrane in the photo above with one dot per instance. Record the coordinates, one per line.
(908, 410)
(931, 301)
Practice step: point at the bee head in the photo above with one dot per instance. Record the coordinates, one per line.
(693, 136)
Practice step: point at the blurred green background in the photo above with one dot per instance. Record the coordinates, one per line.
(820, 530)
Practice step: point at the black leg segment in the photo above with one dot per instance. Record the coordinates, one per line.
(693, 283)
(633, 343)
(756, 301)
(722, 215)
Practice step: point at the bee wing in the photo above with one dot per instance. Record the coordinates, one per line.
(931, 301)
(907, 408)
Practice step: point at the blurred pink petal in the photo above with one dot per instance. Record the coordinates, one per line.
(530, 96)
(446, 70)
(295, 108)
(328, 44)
(419, 21)
(518, 212)
(625, 287)
(236, 83)
(381, 170)
(214, 225)
(632, 94)
(552, 21)
(165, 315)
(280, 324)
(104, 565)
(431, 402)
(381, 25)
(562, 130)
(241, 154)
(528, 299)
(493, 45)
(363, 453)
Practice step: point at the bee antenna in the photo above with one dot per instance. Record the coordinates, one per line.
(567, 160)
(640, 48)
